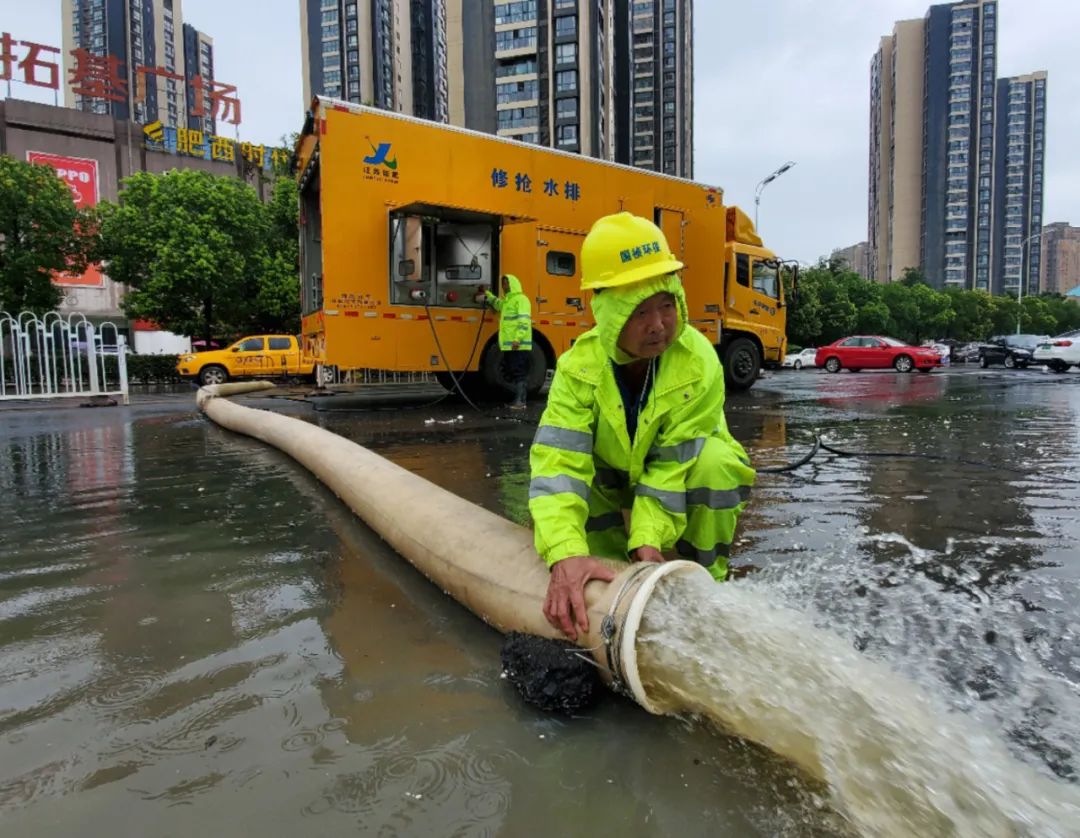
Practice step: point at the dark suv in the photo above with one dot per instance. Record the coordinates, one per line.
(1010, 350)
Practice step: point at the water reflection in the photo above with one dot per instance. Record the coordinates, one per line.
(186, 617)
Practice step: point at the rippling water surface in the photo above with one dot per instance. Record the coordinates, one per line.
(194, 633)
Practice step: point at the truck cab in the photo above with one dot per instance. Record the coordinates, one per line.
(754, 322)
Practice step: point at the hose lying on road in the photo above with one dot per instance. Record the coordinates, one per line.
(453, 541)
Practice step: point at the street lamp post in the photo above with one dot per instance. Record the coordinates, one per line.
(1020, 283)
(761, 187)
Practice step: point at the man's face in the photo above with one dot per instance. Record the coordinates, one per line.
(651, 328)
(505, 285)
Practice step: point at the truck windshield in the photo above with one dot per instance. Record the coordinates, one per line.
(766, 279)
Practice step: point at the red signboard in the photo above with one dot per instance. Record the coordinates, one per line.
(81, 177)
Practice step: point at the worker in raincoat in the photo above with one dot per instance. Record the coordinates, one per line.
(634, 421)
(515, 335)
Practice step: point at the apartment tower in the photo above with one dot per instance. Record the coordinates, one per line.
(655, 80)
(136, 33)
(1060, 262)
(939, 152)
(1018, 180)
(388, 53)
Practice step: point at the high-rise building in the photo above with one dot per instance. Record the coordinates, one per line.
(470, 42)
(115, 38)
(198, 64)
(939, 149)
(388, 53)
(607, 78)
(1060, 262)
(654, 85)
(553, 73)
(856, 257)
(1018, 179)
(896, 152)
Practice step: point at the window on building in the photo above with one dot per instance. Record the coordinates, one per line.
(565, 53)
(565, 81)
(566, 134)
(565, 25)
(566, 108)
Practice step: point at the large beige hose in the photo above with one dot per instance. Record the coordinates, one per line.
(485, 562)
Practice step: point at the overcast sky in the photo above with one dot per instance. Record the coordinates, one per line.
(775, 80)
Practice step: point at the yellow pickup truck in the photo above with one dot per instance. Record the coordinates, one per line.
(257, 356)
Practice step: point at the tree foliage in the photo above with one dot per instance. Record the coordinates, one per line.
(834, 302)
(202, 255)
(41, 232)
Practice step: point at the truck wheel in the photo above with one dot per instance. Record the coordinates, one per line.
(497, 385)
(742, 364)
(213, 374)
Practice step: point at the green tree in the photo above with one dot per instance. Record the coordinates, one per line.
(917, 312)
(41, 232)
(973, 310)
(1037, 317)
(804, 312)
(1003, 312)
(1066, 312)
(913, 276)
(200, 254)
(838, 313)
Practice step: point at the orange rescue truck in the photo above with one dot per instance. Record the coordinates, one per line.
(404, 221)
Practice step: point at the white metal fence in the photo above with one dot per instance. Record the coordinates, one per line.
(54, 357)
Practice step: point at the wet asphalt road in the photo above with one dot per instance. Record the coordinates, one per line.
(193, 632)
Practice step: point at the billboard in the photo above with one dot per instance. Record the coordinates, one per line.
(81, 177)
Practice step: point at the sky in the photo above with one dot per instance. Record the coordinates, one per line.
(774, 80)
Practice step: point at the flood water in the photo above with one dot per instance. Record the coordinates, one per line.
(195, 634)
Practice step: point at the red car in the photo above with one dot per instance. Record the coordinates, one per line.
(876, 353)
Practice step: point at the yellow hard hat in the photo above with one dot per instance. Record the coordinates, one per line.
(624, 248)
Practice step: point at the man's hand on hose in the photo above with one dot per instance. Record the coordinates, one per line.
(565, 607)
(644, 553)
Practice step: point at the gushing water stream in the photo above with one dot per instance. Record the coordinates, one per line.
(896, 761)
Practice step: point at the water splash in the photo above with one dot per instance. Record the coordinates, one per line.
(895, 759)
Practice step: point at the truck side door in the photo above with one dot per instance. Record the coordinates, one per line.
(282, 356)
(559, 297)
(248, 357)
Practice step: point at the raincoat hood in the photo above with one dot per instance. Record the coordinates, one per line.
(613, 307)
(515, 284)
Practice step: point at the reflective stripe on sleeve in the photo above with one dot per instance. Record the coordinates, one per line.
(580, 442)
(684, 452)
(540, 487)
(671, 501)
(718, 498)
(517, 317)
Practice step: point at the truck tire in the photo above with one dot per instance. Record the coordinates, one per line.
(213, 374)
(491, 369)
(742, 364)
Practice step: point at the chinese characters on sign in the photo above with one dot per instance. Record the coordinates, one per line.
(190, 142)
(500, 179)
(104, 77)
(81, 177)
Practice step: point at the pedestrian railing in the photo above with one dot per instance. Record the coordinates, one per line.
(55, 357)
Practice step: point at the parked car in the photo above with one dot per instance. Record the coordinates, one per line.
(798, 360)
(250, 357)
(967, 353)
(1061, 352)
(875, 352)
(1012, 351)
